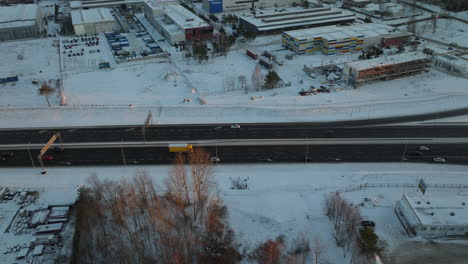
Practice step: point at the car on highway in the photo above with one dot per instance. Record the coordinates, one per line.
(423, 148)
(235, 126)
(215, 159)
(6, 155)
(47, 157)
(439, 159)
(416, 153)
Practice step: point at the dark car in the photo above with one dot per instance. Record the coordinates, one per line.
(368, 223)
(416, 153)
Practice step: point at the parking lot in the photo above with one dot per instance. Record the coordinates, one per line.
(84, 52)
(134, 44)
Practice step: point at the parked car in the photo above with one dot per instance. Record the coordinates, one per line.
(439, 159)
(367, 223)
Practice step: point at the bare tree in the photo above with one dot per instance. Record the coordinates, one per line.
(201, 171)
(270, 252)
(46, 90)
(243, 83)
(318, 251)
(257, 78)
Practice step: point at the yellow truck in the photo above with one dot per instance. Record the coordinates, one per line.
(180, 148)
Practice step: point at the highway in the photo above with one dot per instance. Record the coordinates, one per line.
(455, 151)
(189, 133)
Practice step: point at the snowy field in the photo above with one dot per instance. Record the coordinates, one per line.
(447, 30)
(283, 199)
(30, 60)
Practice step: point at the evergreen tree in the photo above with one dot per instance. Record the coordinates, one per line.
(368, 242)
(272, 79)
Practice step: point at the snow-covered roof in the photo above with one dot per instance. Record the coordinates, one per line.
(18, 15)
(439, 210)
(292, 16)
(386, 60)
(453, 60)
(365, 30)
(180, 15)
(95, 15)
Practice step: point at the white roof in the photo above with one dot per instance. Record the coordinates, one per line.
(184, 18)
(95, 15)
(453, 60)
(437, 210)
(366, 30)
(295, 16)
(386, 60)
(18, 15)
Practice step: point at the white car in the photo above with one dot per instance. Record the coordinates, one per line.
(235, 126)
(215, 159)
(439, 159)
(423, 148)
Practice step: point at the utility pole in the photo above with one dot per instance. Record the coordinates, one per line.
(404, 151)
(30, 156)
(123, 155)
(307, 150)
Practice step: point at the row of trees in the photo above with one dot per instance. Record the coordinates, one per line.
(456, 5)
(345, 217)
(131, 222)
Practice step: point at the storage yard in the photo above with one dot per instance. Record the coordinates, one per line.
(36, 225)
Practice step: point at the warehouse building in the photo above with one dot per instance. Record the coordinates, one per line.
(217, 6)
(90, 21)
(270, 21)
(176, 23)
(433, 215)
(356, 3)
(335, 40)
(385, 67)
(20, 22)
(452, 64)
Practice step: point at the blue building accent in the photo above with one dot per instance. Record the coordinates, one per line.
(216, 6)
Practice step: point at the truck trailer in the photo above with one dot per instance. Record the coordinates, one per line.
(180, 148)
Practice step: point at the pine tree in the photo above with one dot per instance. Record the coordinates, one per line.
(272, 79)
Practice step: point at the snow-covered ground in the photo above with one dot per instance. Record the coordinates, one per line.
(282, 199)
(446, 30)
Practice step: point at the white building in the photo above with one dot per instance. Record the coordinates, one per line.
(433, 215)
(275, 20)
(217, 6)
(452, 64)
(176, 23)
(20, 22)
(90, 21)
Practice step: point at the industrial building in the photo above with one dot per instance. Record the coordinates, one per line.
(269, 21)
(217, 6)
(335, 40)
(452, 64)
(90, 21)
(356, 3)
(20, 22)
(385, 67)
(433, 215)
(176, 23)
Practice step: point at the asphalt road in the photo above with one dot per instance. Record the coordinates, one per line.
(453, 153)
(246, 131)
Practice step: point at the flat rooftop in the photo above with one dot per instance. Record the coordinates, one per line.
(337, 32)
(296, 16)
(95, 15)
(386, 60)
(437, 210)
(184, 17)
(18, 15)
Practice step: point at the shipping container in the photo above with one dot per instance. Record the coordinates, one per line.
(251, 54)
